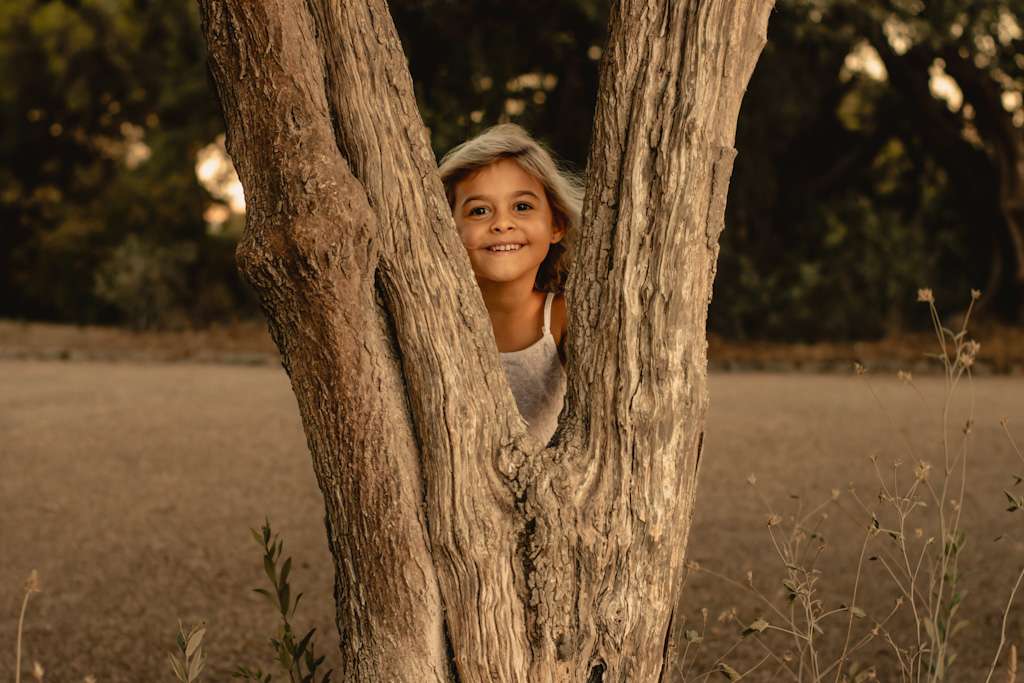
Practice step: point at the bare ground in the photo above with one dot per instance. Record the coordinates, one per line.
(248, 343)
(131, 487)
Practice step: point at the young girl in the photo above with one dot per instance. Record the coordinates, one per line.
(515, 209)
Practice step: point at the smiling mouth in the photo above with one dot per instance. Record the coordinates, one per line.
(504, 248)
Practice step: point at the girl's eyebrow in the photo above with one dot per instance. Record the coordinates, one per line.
(514, 194)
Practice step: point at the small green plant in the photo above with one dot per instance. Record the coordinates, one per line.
(296, 656)
(189, 663)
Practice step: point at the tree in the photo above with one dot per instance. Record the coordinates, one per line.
(104, 106)
(465, 550)
(858, 184)
(979, 136)
(474, 63)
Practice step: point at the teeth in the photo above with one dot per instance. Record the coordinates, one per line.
(505, 247)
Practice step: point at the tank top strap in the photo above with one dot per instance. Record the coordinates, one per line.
(547, 313)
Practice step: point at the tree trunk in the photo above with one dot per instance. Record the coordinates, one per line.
(1004, 143)
(989, 181)
(465, 550)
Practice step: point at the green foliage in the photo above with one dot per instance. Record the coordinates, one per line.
(847, 191)
(103, 106)
(144, 281)
(471, 57)
(296, 656)
(838, 204)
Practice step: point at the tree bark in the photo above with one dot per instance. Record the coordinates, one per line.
(464, 549)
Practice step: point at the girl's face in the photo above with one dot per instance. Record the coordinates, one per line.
(505, 222)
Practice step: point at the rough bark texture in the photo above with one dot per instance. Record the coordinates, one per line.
(465, 550)
(311, 249)
(672, 81)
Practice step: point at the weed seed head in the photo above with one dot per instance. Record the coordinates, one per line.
(921, 471)
(975, 294)
(752, 480)
(774, 519)
(37, 671)
(925, 295)
(968, 352)
(859, 369)
(32, 583)
(904, 376)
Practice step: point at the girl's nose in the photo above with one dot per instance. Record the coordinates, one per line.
(502, 222)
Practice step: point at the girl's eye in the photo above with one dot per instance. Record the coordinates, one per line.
(523, 206)
(477, 211)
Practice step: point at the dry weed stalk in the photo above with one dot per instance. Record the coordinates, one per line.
(31, 586)
(923, 566)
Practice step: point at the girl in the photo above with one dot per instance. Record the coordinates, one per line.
(515, 210)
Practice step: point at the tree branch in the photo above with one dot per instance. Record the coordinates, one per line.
(613, 505)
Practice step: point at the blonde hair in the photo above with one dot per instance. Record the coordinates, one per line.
(563, 188)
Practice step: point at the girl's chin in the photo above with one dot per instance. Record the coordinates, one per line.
(488, 280)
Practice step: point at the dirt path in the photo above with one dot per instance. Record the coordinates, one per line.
(131, 487)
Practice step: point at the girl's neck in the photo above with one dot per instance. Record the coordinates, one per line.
(508, 299)
(516, 312)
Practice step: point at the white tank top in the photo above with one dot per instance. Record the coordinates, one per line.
(537, 380)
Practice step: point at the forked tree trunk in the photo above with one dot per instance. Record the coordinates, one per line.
(465, 550)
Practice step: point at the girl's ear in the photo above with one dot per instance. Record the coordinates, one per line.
(557, 230)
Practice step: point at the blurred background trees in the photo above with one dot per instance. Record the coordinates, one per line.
(104, 106)
(881, 149)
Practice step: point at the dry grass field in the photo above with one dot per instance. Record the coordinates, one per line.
(131, 487)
